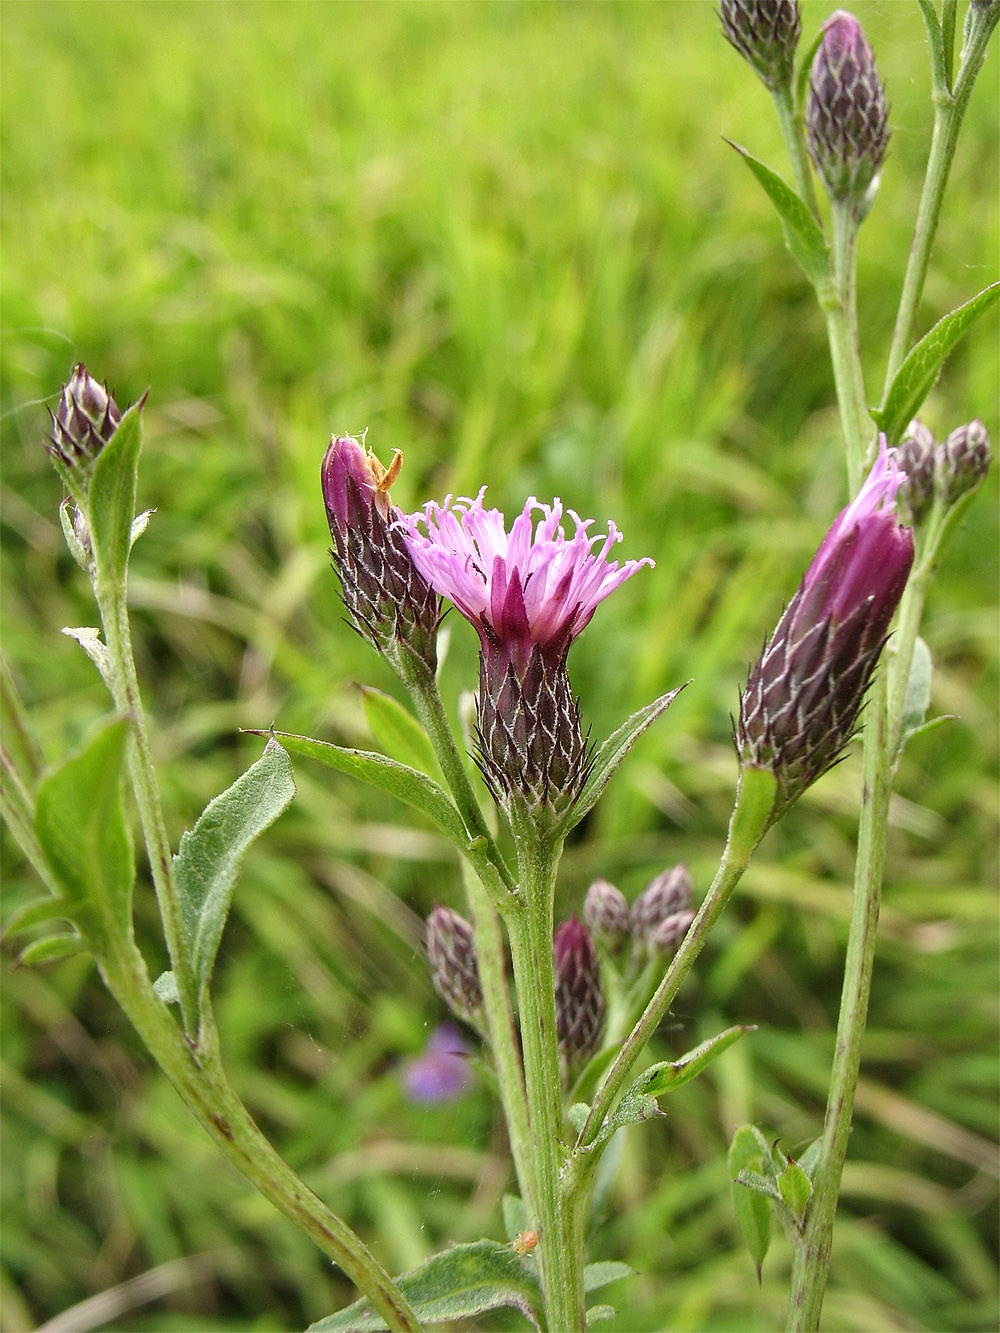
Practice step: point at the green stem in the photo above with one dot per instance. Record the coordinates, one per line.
(502, 1033)
(559, 1245)
(124, 682)
(750, 820)
(791, 130)
(811, 1262)
(197, 1074)
(949, 112)
(841, 311)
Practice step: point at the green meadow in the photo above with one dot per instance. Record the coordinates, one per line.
(510, 240)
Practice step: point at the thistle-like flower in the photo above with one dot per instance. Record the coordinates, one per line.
(528, 593)
(441, 1072)
(803, 696)
(963, 460)
(915, 458)
(659, 918)
(579, 997)
(454, 966)
(386, 598)
(766, 33)
(83, 422)
(605, 914)
(847, 117)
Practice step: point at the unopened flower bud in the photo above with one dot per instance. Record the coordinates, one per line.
(84, 421)
(661, 902)
(847, 117)
(803, 696)
(766, 33)
(963, 460)
(579, 998)
(386, 598)
(605, 914)
(915, 457)
(454, 968)
(669, 933)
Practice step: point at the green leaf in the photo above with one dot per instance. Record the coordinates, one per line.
(671, 1074)
(915, 377)
(577, 1115)
(917, 699)
(610, 755)
(600, 1274)
(763, 1185)
(795, 1190)
(50, 948)
(459, 1283)
(80, 824)
(416, 789)
(36, 913)
(210, 856)
(398, 731)
(597, 1314)
(94, 646)
(803, 234)
(749, 1152)
(809, 1160)
(111, 497)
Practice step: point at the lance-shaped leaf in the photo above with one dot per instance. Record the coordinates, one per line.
(915, 377)
(416, 789)
(398, 731)
(672, 1074)
(803, 235)
(750, 1157)
(80, 825)
(610, 755)
(210, 856)
(796, 1190)
(604, 1272)
(459, 1283)
(111, 496)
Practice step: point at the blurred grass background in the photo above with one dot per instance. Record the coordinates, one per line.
(508, 239)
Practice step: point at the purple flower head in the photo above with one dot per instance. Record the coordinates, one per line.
(766, 33)
(579, 997)
(386, 599)
(803, 696)
(441, 1073)
(84, 420)
(532, 586)
(847, 116)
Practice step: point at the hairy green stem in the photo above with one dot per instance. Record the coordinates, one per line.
(502, 1032)
(811, 1264)
(197, 1074)
(791, 131)
(949, 112)
(749, 822)
(110, 594)
(842, 333)
(530, 926)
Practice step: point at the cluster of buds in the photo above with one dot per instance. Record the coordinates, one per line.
(847, 117)
(454, 966)
(766, 33)
(528, 592)
(84, 421)
(804, 694)
(387, 599)
(949, 470)
(579, 994)
(654, 925)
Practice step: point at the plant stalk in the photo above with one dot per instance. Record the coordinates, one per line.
(842, 334)
(791, 131)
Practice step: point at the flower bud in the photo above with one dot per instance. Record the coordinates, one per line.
(766, 33)
(605, 913)
(803, 696)
(668, 934)
(847, 117)
(454, 968)
(386, 598)
(579, 998)
(915, 458)
(656, 911)
(963, 460)
(84, 420)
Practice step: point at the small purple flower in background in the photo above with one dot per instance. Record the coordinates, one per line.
(803, 696)
(528, 593)
(441, 1073)
(660, 918)
(385, 597)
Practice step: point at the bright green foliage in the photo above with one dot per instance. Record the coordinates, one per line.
(803, 235)
(749, 1158)
(210, 856)
(398, 732)
(111, 496)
